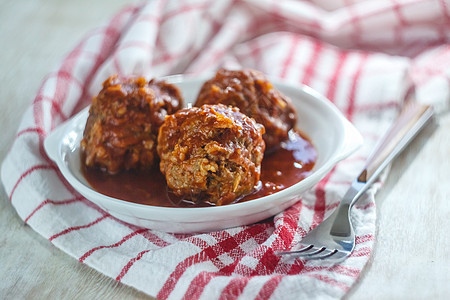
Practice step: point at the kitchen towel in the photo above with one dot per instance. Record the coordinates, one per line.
(362, 55)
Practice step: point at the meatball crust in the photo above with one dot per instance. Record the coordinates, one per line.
(123, 123)
(211, 153)
(255, 96)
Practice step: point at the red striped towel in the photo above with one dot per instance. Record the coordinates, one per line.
(360, 54)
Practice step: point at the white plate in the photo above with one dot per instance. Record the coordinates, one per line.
(333, 136)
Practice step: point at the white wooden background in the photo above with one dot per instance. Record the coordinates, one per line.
(411, 258)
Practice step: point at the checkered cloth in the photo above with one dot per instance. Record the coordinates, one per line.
(360, 54)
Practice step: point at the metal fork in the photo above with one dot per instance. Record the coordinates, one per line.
(334, 238)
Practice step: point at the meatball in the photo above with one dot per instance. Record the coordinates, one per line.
(211, 153)
(255, 96)
(123, 123)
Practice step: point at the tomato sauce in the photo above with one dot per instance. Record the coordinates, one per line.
(281, 169)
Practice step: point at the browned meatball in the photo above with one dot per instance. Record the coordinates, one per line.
(123, 123)
(211, 153)
(255, 96)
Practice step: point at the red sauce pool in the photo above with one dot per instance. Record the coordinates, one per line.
(281, 169)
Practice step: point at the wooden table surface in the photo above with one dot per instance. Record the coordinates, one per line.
(411, 257)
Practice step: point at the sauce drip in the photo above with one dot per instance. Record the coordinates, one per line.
(279, 170)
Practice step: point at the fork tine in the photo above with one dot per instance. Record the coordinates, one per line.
(305, 251)
(305, 248)
(326, 253)
(315, 251)
(311, 252)
(335, 255)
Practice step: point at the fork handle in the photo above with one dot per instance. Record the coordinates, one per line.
(410, 121)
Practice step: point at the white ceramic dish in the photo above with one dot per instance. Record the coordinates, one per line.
(333, 136)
